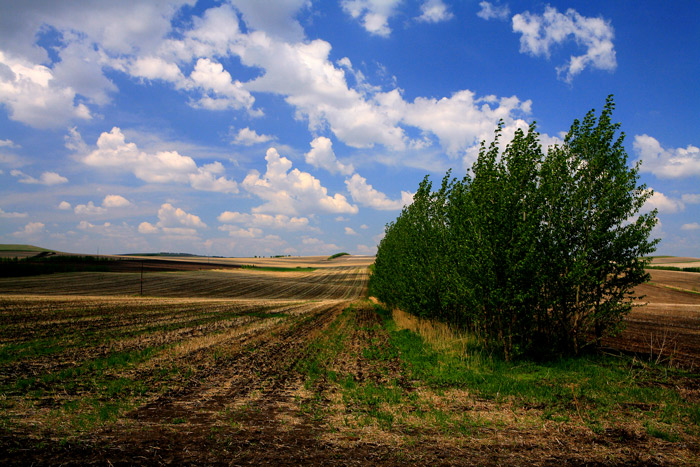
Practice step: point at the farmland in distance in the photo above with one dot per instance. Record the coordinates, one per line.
(285, 361)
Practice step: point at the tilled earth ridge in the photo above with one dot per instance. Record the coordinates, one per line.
(256, 407)
(257, 403)
(342, 282)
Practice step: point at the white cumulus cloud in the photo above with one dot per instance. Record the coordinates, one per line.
(147, 228)
(434, 11)
(663, 203)
(365, 194)
(691, 198)
(240, 232)
(46, 178)
(278, 221)
(248, 137)
(30, 230)
(221, 92)
(691, 226)
(174, 222)
(322, 155)
(109, 201)
(115, 201)
(12, 215)
(493, 11)
(540, 33)
(374, 14)
(89, 209)
(113, 152)
(170, 216)
(292, 192)
(7, 143)
(32, 95)
(275, 17)
(156, 68)
(667, 163)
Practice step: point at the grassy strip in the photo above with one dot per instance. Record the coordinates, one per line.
(596, 391)
(673, 287)
(674, 268)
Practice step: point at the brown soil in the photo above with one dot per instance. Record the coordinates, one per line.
(253, 405)
(666, 328)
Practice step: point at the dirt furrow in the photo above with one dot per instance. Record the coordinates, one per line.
(268, 362)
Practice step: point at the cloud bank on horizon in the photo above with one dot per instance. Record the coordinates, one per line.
(244, 127)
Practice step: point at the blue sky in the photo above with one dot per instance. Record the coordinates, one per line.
(244, 127)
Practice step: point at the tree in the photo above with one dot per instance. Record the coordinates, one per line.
(594, 239)
(534, 254)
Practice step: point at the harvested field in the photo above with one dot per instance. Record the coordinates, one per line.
(329, 283)
(259, 367)
(666, 328)
(677, 261)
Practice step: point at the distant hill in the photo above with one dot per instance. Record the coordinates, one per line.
(11, 247)
(22, 251)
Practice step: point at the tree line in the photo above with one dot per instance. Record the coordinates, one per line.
(534, 253)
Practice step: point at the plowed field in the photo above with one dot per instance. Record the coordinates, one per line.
(257, 367)
(666, 327)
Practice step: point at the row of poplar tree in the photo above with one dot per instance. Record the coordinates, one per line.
(533, 253)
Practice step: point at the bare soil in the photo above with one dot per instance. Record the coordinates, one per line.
(666, 327)
(244, 394)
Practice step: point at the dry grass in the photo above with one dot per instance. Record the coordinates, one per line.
(440, 336)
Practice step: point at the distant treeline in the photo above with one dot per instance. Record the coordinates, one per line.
(674, 268)
(338, 255)
(44, 264)
(162, 253)
(534, 253)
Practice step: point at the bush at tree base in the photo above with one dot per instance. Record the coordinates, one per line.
(536, 254)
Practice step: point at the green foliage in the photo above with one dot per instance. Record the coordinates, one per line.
(674, 268)
(337, 255)
(535, 254)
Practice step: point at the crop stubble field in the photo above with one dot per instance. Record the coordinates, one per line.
(251, 366)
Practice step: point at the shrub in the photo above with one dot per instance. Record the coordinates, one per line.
(535, 254)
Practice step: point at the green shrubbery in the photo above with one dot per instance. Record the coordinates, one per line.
(338, 255)
(534, 253)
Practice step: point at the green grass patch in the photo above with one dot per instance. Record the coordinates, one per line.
(596, 391)
(591, 388)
